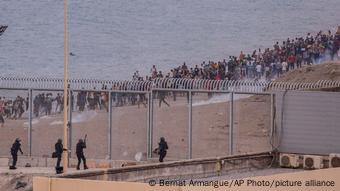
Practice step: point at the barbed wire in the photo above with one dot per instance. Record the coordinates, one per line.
(160, 83)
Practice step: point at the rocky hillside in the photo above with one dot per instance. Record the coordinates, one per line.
(314, 73)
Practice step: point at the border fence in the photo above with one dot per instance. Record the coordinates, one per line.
(152, 89)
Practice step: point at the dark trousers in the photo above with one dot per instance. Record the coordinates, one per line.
(15, 159)
(162, 99)
(162, 156)
(80, 157)
(58, 161)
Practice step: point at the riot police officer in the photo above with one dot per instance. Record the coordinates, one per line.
(162, 148)
(58, 152)
(14, 152)
(81, 145)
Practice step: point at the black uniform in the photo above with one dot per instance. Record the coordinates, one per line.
(14, 152)
(162, 147)
(59, 151)
(81, 145)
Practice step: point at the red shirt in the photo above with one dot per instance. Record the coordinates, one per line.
(291, 58)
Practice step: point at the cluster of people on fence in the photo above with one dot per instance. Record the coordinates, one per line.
(261, 64)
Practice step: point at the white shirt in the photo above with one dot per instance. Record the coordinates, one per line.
(267, 68)
(284, 66)
(258, 68)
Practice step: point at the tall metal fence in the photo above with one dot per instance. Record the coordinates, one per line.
(125, 119)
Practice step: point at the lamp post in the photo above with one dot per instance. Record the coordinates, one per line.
(65, 152)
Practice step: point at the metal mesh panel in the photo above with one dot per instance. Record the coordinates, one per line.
(47, 121)
(14, 113)
(129, 126)
(171, 122)
(252, 123)
(210, 124)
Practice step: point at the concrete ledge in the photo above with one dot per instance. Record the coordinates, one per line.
(325, 175)
(185, 169)
(51, 162)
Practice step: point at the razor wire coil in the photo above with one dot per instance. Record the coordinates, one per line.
(14, 82)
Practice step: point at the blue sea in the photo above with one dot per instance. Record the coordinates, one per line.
(110, 39)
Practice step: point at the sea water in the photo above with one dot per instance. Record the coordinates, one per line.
(110, 39)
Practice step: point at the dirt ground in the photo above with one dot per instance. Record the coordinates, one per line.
(21, 179)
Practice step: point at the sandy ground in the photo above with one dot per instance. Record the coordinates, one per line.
(210, 129)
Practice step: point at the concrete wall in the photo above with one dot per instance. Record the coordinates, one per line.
(308, 122)
(61, 184)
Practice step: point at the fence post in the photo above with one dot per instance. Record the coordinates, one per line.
(30, 115)
(70, 109)
(109, 144)
(148, 147)
(190, 126)
(231, 123)
(151, 124)
(272, 120)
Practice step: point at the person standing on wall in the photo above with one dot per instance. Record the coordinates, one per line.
(81, 145)
(14, 152)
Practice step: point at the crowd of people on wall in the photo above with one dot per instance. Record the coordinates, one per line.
(265, 64)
